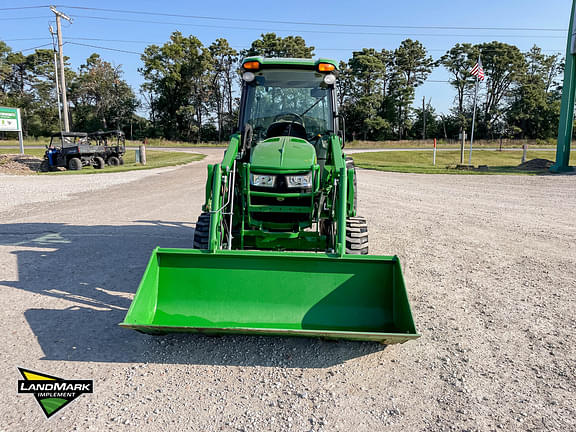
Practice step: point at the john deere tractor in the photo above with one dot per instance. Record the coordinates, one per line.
(279, 248)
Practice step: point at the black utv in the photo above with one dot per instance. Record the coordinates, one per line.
(72, 150)
(114, 143)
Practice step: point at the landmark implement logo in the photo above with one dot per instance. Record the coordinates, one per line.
(52, 393)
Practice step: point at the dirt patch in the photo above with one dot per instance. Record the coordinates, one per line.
(19, 164)
(536, 164)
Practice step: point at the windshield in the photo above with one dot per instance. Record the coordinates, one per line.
(289, 95)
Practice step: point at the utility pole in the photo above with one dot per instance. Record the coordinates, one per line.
(62, 74)
(423, 118)
(56, 77)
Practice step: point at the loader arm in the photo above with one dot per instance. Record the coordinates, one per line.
(341, 181)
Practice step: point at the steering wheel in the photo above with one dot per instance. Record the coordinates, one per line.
(285, 114)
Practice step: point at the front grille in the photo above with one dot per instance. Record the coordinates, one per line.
(273, 201)
(287, 218)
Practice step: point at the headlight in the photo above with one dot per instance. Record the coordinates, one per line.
(263, 180)
(299, 180)
(330, 79)
(248, 76)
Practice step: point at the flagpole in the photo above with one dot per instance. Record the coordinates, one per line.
(473, 118)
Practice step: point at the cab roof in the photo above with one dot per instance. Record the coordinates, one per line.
(288, 62)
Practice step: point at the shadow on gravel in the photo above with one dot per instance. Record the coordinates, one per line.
(98, 269)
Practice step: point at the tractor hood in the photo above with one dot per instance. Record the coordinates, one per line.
(283, 153)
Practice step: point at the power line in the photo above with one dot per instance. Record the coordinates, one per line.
(22, 18)
(316, 31)
(24, 7)
(70, 39)
(105, 48)
(139, 12)
(26, 39)
(234, 46)
(36, 47)
(115, 40)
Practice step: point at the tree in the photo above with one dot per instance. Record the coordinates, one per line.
(177, 80)
(101, 94)
(27, 82)
(458, 61)
(43, 112)
(503, 65)
(270, 45)
(368, 71)
(412, 66)
(225, 59)
(535, 109)
(344, 83)
(433, 125)
(5, 70)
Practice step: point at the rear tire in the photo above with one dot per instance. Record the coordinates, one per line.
(356, 236)
(99, 162)
(74, 164)
(202, 231)
(113, 161)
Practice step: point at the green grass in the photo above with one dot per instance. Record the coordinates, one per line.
(421, 161)
(423, 144)
(155, 159)
(153, 142)
(451, 144)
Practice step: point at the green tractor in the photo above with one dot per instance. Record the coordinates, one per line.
(279, 247)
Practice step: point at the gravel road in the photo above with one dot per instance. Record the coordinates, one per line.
(489, 263)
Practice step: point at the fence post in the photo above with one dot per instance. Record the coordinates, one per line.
(434, 157)
(524, 150)
(142, 151)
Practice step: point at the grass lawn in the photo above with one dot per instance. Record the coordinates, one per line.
(359, 144)
(155, 142)
(421, 161)
(155, 159)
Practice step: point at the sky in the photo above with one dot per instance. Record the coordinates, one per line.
(353, 25)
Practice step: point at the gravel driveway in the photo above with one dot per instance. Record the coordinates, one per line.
(489, 263)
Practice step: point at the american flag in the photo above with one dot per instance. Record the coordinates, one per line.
(478, 70)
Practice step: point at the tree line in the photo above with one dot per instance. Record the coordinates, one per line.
(191, 91)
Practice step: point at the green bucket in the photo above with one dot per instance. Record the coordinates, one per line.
(357, 297)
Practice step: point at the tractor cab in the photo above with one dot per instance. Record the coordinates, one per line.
(287, 118)
(288, 97)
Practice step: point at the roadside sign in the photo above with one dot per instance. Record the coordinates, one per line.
(9, 119)
(10, 122)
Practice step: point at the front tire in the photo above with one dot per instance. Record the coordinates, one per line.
(202, 231)
(356, 236)
(75, 164)
(44, 166)
(99, 162)
(113, 161)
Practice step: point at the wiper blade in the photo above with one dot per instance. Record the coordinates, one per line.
(313, 105)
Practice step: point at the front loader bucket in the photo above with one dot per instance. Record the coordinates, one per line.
(273, 293)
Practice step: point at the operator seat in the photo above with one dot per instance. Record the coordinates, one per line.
(286, 128)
